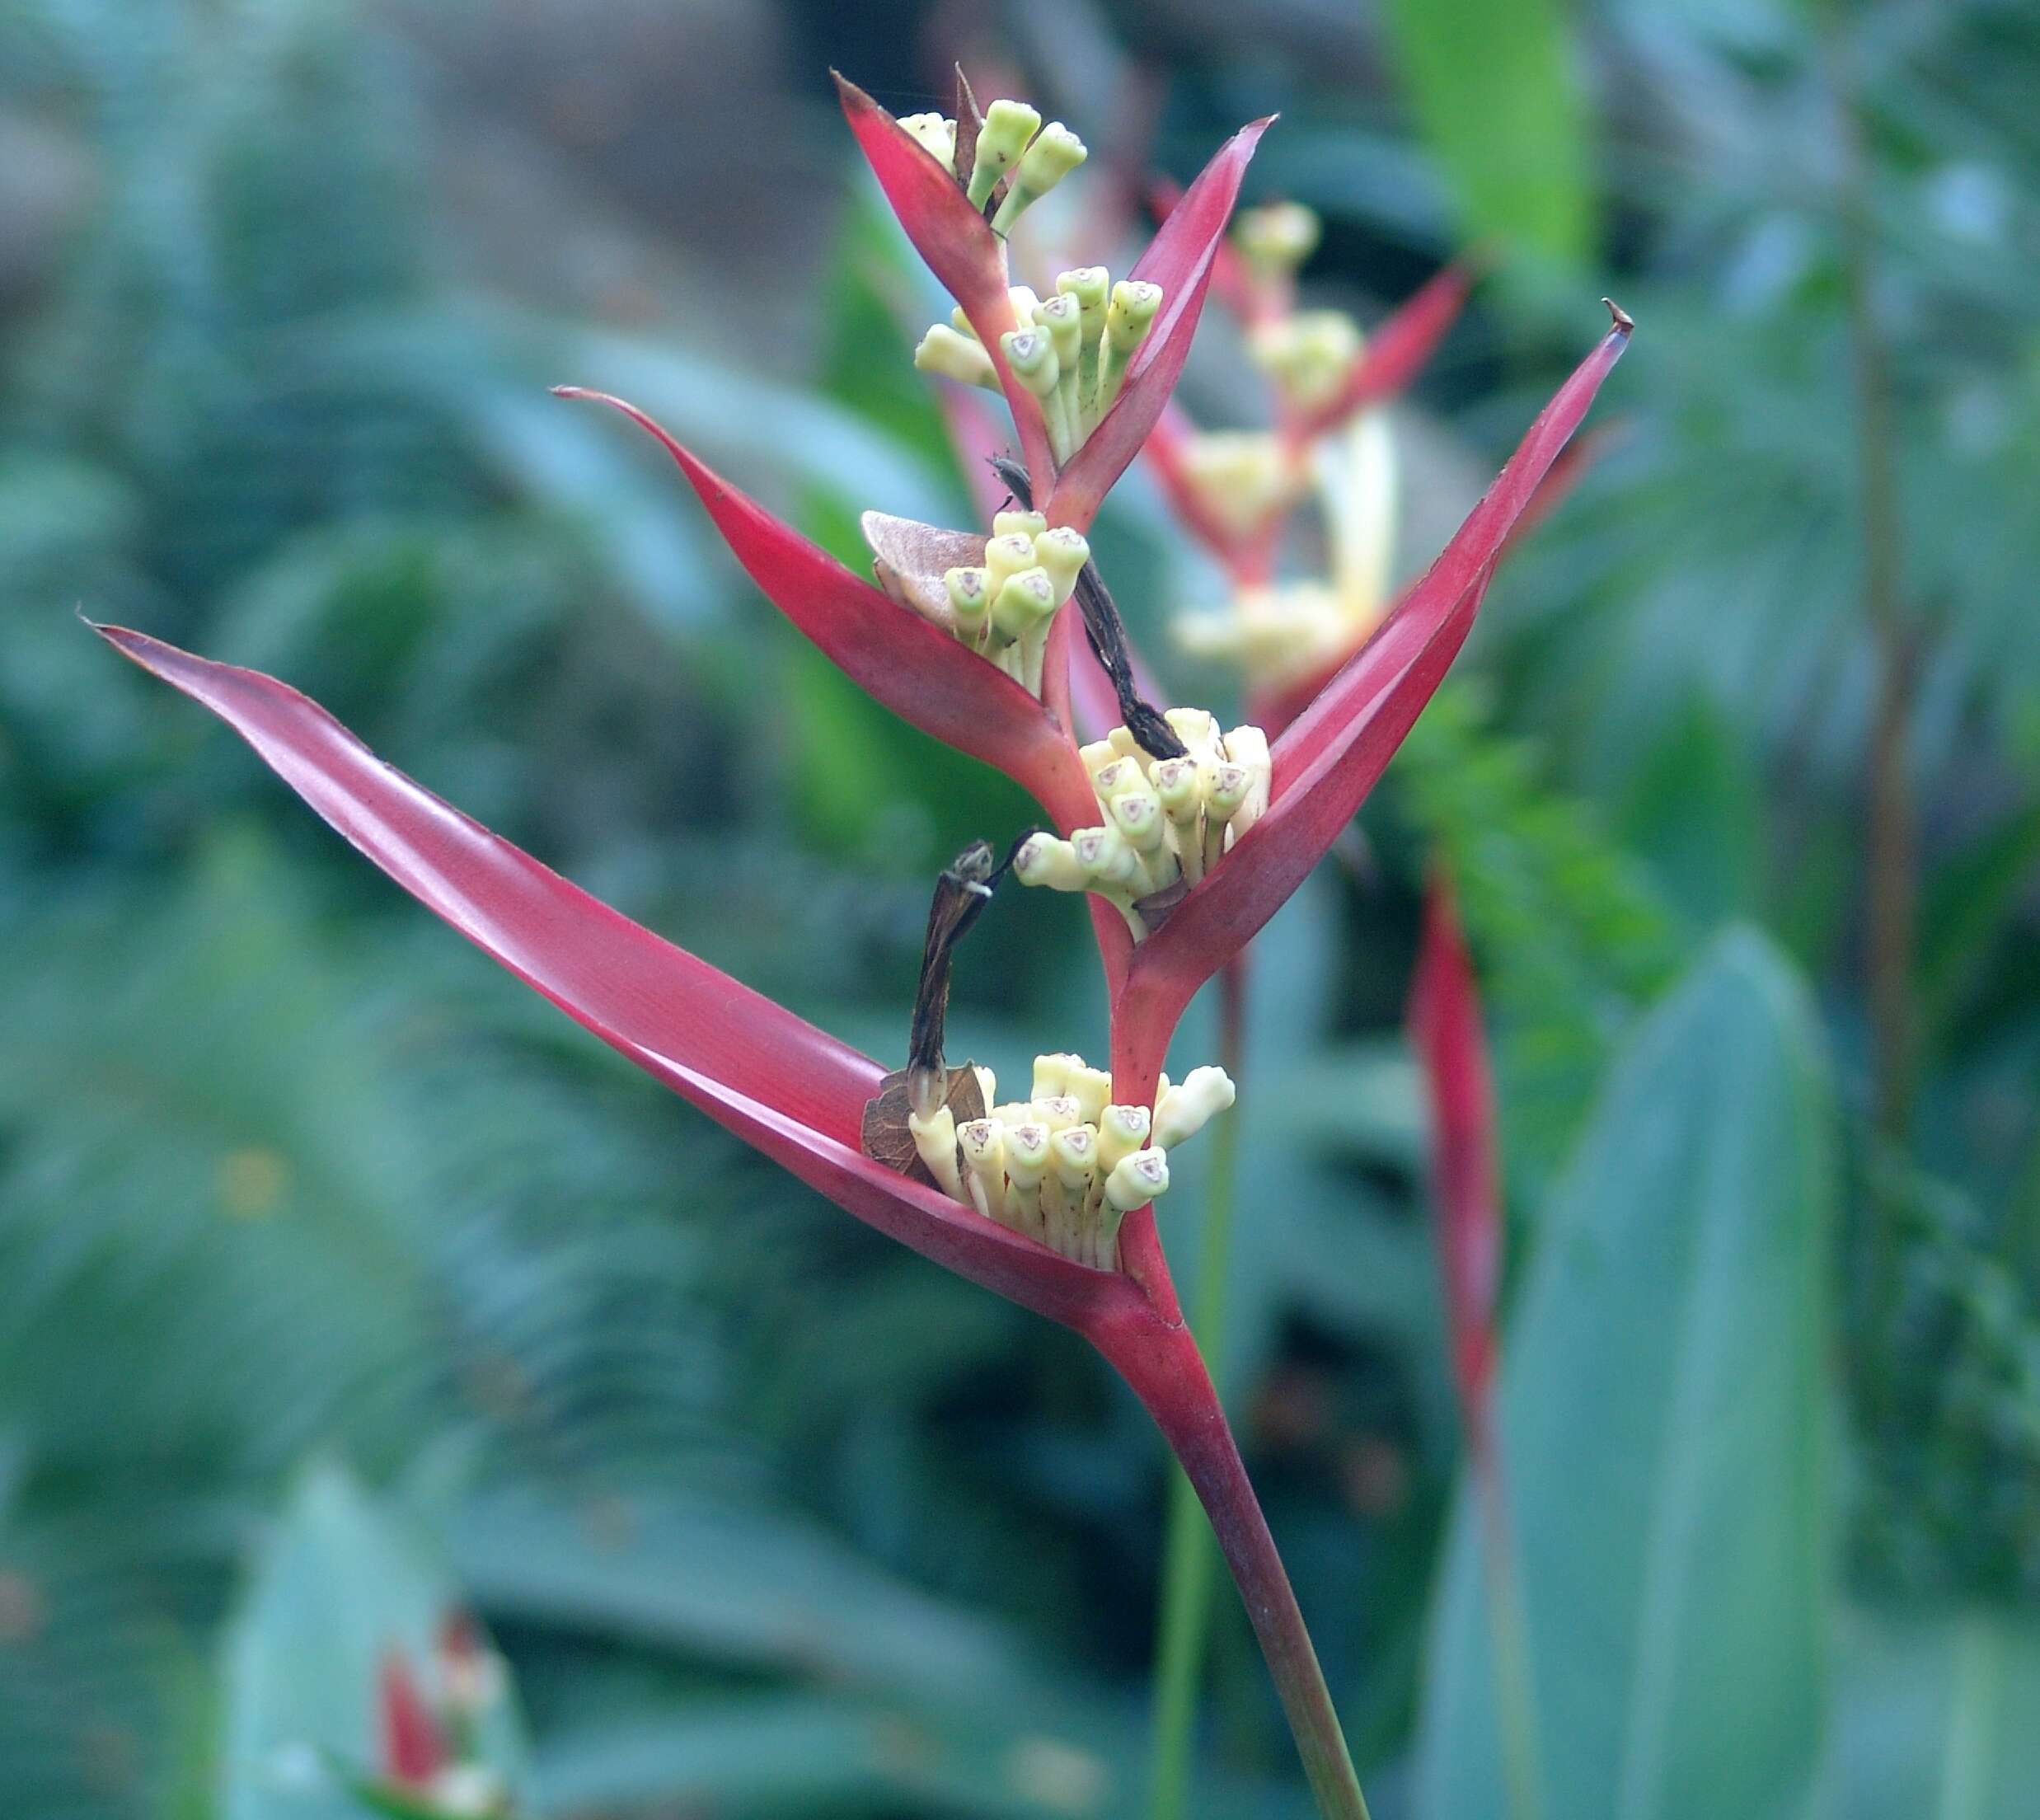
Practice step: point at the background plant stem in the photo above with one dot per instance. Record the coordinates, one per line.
(1189, 1555)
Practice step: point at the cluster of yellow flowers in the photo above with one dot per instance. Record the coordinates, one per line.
(1066, 1164)
(1166, 821)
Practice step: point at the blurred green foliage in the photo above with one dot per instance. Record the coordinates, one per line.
(768, 1517)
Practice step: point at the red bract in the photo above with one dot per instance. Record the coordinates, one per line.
(956, 242)
(789, 1090)
(1451, 1047)
(411, 1751)
(907, 665)
(1178, 259)
(1328, 760)
(962, 251)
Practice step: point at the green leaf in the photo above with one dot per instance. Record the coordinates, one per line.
(339, 1587)
(1499, 107)
(1933, 1718)
(1663, 1411)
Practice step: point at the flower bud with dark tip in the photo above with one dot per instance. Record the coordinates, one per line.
(1006, 557)
(970, 601)
(1024, 601)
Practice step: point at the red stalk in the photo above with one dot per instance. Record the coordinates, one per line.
(1159, 1359)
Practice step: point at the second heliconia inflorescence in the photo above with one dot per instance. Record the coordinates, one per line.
(1071, 349)
(1167, 821)
(1066, 1164)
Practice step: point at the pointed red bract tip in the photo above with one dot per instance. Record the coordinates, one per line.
(1332, 754)
(1178, 259)
(899, 658)
(958, 245)
(1624, 323)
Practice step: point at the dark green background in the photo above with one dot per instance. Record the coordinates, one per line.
(771, 1519)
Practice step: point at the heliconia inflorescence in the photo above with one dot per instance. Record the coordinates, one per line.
(1066, 1164)
(1071, 349)
(1165, 823)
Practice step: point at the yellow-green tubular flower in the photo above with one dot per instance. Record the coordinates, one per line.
(1058, 1113)
(1197, 727)
(1060, 316)
(1112, 864)
(1031, 353)
(1053, 154)
(1026, 1159)
(1174, 781)
(983, 1142)
(1128, 316)
(1137, 814)
(934, 1142)
(1052, 1074)
(1278, 237)
(1066, 1193)
(1097, 755)
(1307, 355)
(950, 355)
(1024, 601)
(1008, 126)
(1062, 552)
(1024, 304)
(1006, 557)
(1189, 1106)
(1018, 524)
(936, 135)
(970, 601)
(1089, 285)
(1108, 781)
(1121, 1130)
(1090, 1088)
(1136, 1180)
(1247, 747)
(1046, 860)
(1224, 797)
